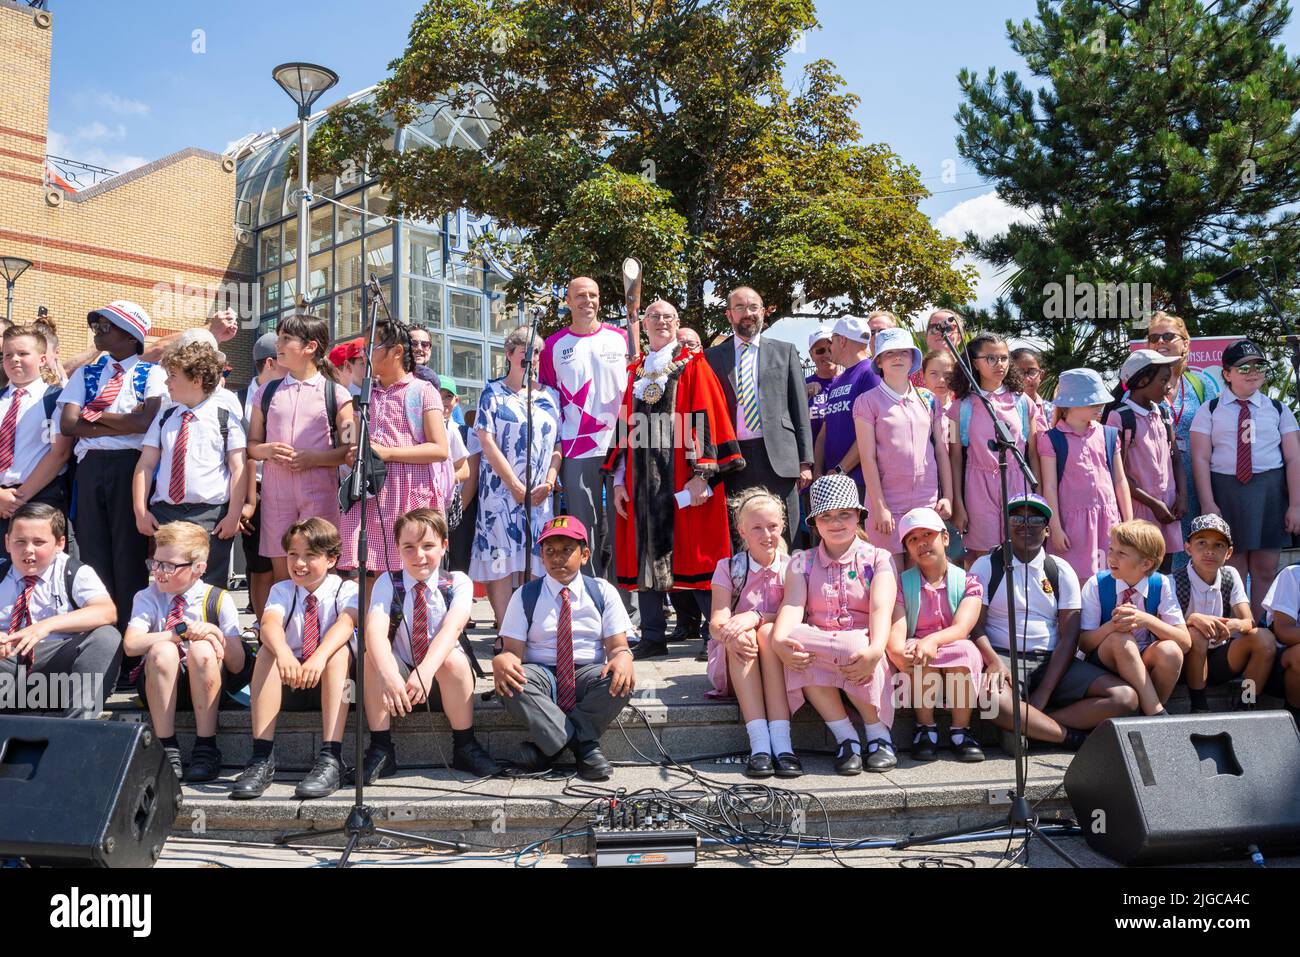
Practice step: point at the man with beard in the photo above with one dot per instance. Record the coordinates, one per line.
(672, 526)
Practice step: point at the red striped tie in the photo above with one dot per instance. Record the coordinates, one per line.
(419, 623)
(95, 408)
(21, 616)
(176, 490)
(310, 628)
(566, 691)
(1244, 436)
(175, 616)
(9, 430)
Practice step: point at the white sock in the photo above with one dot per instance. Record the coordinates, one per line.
(759, 742)
(876, 730)
(780, 731)
(844, 731)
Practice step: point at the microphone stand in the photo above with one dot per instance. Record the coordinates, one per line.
(360, 821)
(1020, 814)
(1290, 338)
(528, 444)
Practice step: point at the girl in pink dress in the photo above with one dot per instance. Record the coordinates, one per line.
(1091, 493)
(1152, 461)
(977, 495)
(407, 434)
(747, 592)
(833, 625)
(938, 604)
(897, 429)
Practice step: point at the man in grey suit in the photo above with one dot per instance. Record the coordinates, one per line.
(764, 385)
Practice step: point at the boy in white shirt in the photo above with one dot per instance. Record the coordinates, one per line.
(1282, 606)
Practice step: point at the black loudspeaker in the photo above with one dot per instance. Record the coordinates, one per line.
(84, 793)
(1188, 787)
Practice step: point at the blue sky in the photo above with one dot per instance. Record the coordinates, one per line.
(162, 95)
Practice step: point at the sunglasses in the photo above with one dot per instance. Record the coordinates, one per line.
(941, 327)
(1163, 337)
(1251, 368)
(417, 344)
(822, 351)
(99, 325)
(1030, 521)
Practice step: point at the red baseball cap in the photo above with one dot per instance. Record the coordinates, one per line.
(566, 526)
(346, 352)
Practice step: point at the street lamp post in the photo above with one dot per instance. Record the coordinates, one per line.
(305, 83)
(11, 267)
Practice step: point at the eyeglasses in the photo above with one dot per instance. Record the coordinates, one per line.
(1030, 521)
(941, 327)
(995, 360)
(422, 346)
(167, 568)
(1163, 337)
(1033, 373)
(1251, 368)
(751, 308)
(99, 325)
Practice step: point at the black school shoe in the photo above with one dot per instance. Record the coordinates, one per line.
(377, 763)
(592, 763)
(322, 780)
(254, 780)
(880, 755)
(473, 759)
(174, 759)
(760, 765)
(205, 764)
(967, 749)
(923, 748)
(788, 766)
(847, 761)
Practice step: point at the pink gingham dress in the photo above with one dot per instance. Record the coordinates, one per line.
(1150, 466)
(763, 592)
(935, 614)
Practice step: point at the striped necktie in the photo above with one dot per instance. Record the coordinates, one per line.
(95, 408)
(176, 488)
(9, 430)
(174, 617)
(310, 627)
(748, 396)
(566, 690)
(419, 623)
(21, 616)
(1245, 435)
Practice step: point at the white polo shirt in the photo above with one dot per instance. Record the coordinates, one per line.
(1207, 599)
(1221, 426)
(590, 628)
(151, 607)
(1284, 594)
(207, 475)
(33, 433)
(334, 595)
(1167, 611)
(74, 393)
(1037, 630)
(381, 600)
(48, 598)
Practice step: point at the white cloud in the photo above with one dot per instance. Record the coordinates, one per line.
(119, 104)
(100, 131)
(74, 148)
(985, 216)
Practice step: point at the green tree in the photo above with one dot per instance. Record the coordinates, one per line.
(660, 129)
(1155, 145)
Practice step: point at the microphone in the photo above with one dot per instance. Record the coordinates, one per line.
(1232, 274)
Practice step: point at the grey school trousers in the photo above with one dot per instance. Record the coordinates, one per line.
(72, 676)
(550, 728)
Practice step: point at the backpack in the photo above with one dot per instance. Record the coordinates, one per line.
(223, 418)
(331, 406)
(1050, 568)
(1183, 589)
(739, 575)
(70, 569)
(1106, 592)
(532, 590)
(139, 377)
(911, 581)
(1061, 446)
(968, 406)
(396, 614)
(1277, 406)
(1128, 422)
(211, 614)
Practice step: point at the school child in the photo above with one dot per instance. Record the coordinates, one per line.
(57, 618)
(834, 622)
(898, 435)
(937, 606)
(1030, 363)
(261, 573)
(1282, 604)
(301, 429)
(937, 369)
(1130, 621)
(107, 406)
(307, 647)
(186, 633)
(196, 446)
(1152, 462)
(33, 452)
(565, 670)
(414, 649)
(1246, 459)
(977, 495)
(1083, 478)
(1226, 642)
(408, 436)
(1062, 696)
(747, 592)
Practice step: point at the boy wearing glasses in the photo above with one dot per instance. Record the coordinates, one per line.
(1063, 697)
(187, 634)
(1246, 462)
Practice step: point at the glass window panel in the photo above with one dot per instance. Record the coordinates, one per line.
(321, 275)
(288, 288)
(322, 227)
(379, 254)
(496, 361)
(273, 199)
(424, 253)
(289, 248)
(349, 221)
(349, 265)
(466, 312)
(268, 248)
(437, 356)
(469, 396)
(347, 314)
(376, 209)
(465, 272)
(503, 315)
(424, 304)
(466, 360)
(270, 292)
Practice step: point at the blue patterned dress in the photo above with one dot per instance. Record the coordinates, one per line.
(499, 530)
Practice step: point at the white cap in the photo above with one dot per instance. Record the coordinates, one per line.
(853, 327)
(1140, 359)
(820, 333)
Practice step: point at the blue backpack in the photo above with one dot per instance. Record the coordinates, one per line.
(1106, 592)
(139, 377)
(911, 581)
(968, 405)
(1061, 446)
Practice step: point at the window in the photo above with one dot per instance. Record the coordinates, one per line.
(376, 209)
(268, 248)
(503, 315)
(322, 227)
(425, 304)
(465, 273)
(379, 255)
(424, 254)
(469, 396)
(466, 312)
(466, 360)
(321, 275)
(348, 317)
(496, 361)
(437, 356)
(270, 291)
(273, 200)
(349, 221)
(289, 248)
(349, 265)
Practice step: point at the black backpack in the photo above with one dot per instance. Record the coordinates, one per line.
(331, 406)
(1183, 589)
(1050, 568)
(396, 615)
(70, 569)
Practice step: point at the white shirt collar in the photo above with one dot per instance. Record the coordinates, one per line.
(409, 581)
(898, 396)
(1037, 563)
(1000, 390)
(1122, 586)
(34, 389)
(1256, 398)
(1154, 410)
(740, 343)
(755, 567)
(1200, 584)
(291, 379)
(553, 586)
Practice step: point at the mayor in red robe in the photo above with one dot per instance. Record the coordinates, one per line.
(675, 437)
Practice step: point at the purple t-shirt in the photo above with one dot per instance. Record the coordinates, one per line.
(837, 414)
(816, 405)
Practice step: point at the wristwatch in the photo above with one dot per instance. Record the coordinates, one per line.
(180, 629)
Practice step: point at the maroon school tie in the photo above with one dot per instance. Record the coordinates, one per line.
(176, 490)
(566, 691)
(21, 616)
(95, 408)
(174, 617)
(310, 628)
(1244, 467)
(419, 623)
(9, 430)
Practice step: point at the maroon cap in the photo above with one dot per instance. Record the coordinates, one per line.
(566, 526)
